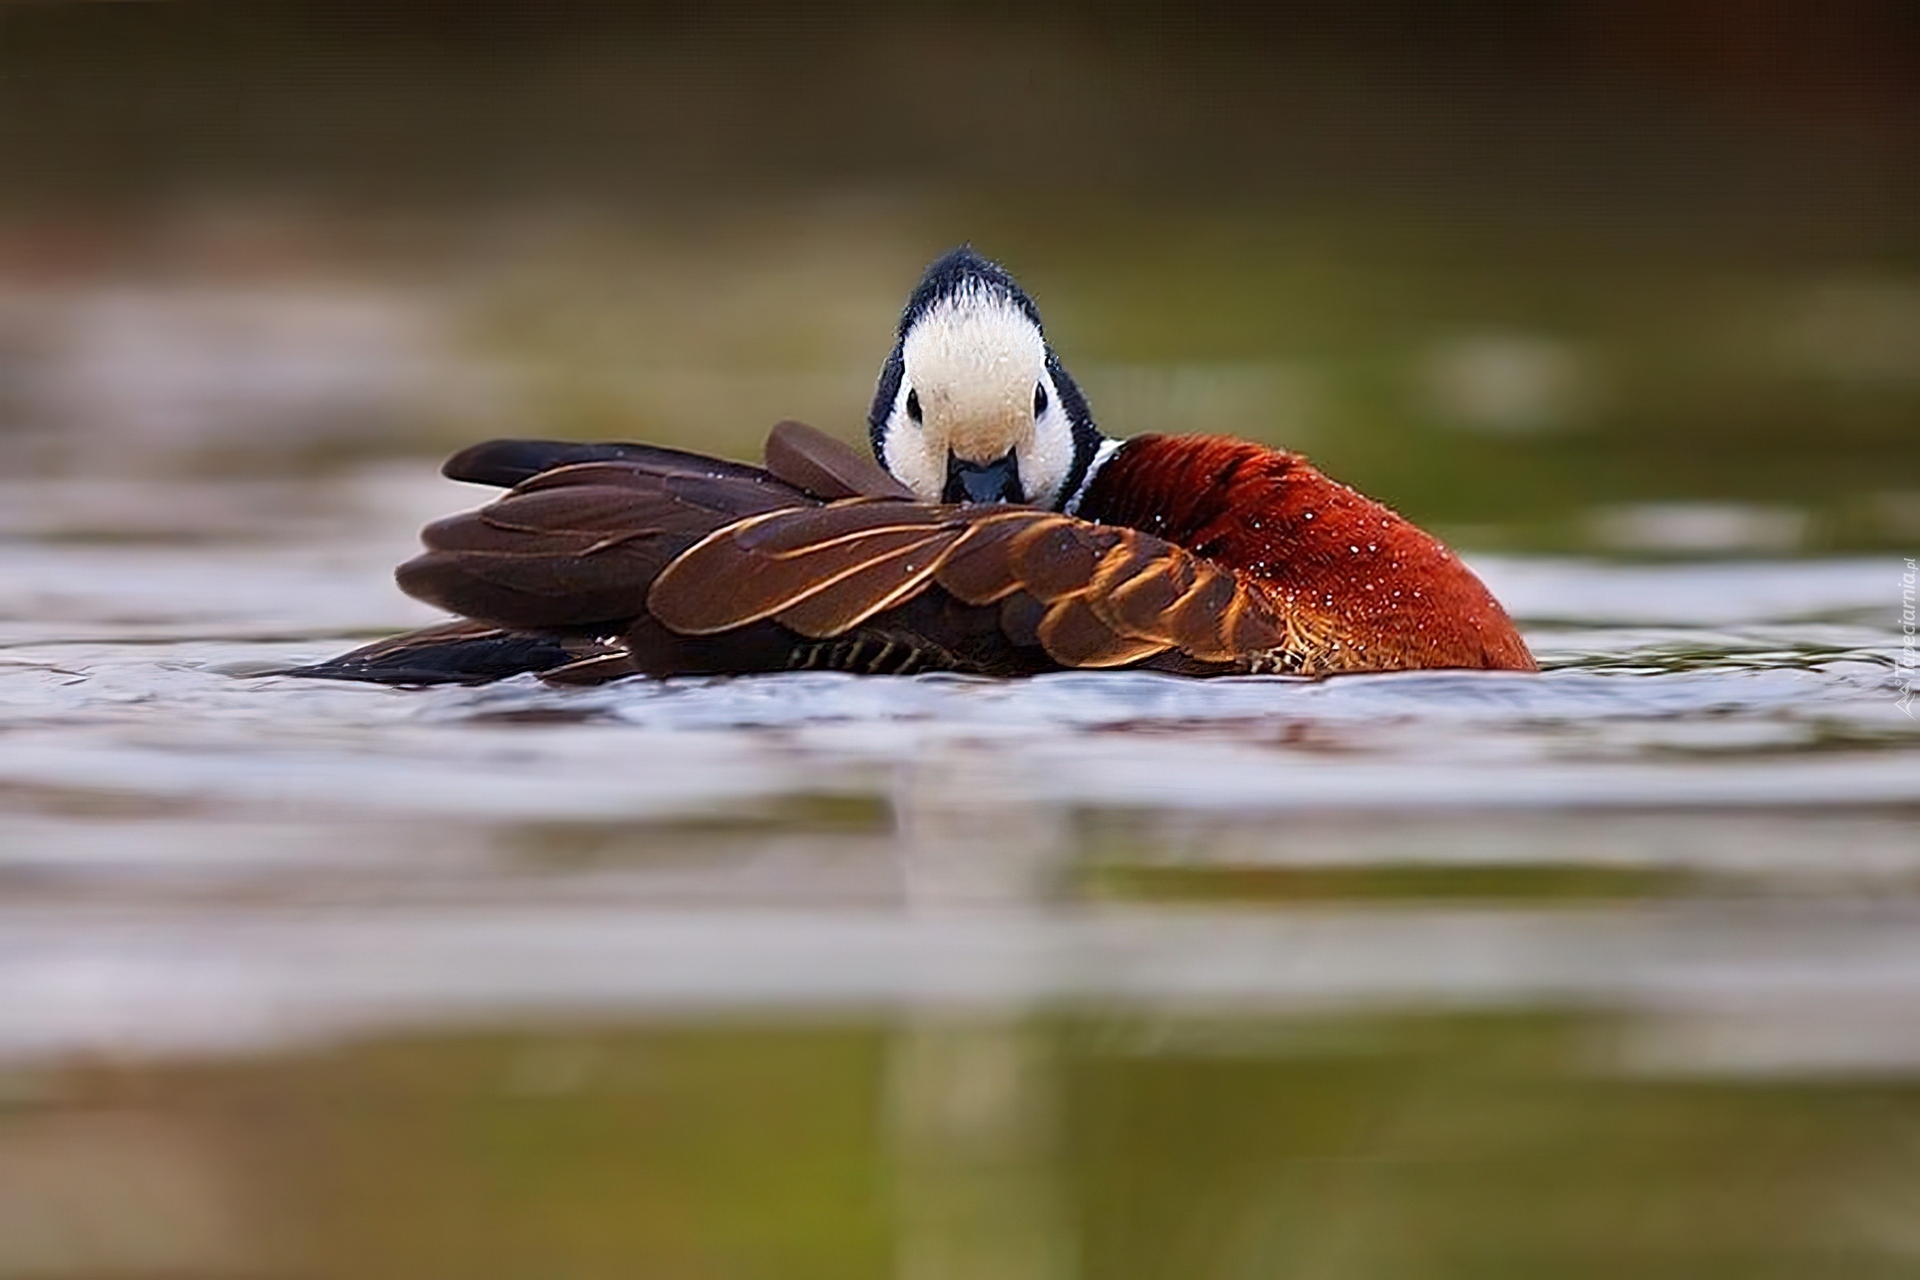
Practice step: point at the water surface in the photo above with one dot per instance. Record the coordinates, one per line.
(1614, 968)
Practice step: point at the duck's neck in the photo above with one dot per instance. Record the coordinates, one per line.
(1101, 452)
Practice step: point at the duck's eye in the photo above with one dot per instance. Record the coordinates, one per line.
(913, 405)
(1039, 399)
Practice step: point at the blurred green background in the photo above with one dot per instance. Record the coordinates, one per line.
(1626, 277)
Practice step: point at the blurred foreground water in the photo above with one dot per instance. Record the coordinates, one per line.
(1611, 970)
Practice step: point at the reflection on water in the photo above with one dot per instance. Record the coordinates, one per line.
(1458, 1144)
(1614, 969)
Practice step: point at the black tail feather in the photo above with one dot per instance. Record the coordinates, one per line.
(506, 463)
(453, 653)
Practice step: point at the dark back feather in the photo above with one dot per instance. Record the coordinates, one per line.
(507, 463)
(819, 465)
(576, 547)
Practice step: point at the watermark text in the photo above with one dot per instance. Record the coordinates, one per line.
(1909, 669)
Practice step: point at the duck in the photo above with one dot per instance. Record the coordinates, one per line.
(996, 531)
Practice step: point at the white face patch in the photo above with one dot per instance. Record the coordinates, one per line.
(976, 370)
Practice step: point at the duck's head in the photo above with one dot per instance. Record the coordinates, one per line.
(973, 406)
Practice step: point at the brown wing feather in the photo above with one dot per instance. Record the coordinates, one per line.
(981, 569)
(1059, 556)
(818, 570)
(577, 546)
(1090, 595)
(815, 462)
(823, 570)
(876, 583)
(1075, 635)
(1196, 615)
(1145, 597)
(803, 531)
(1140, 603)
(1223, 617)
